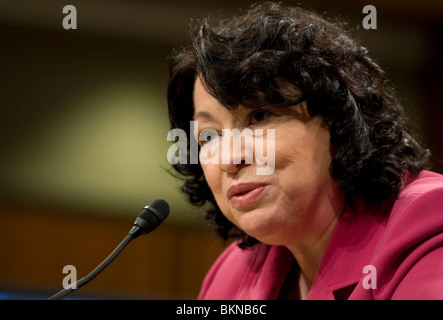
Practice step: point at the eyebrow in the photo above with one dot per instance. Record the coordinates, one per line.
(203, 114)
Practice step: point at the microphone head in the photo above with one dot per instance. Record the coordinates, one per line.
(159, 207)
(152, 216)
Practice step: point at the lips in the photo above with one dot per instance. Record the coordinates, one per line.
(244, 194)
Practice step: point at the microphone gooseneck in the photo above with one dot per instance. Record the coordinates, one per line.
(147, 221)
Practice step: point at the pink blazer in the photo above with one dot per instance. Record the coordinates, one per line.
(392, 251)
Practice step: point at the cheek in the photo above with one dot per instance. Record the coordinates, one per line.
(213, 176)
(289, 150)
(305, 153)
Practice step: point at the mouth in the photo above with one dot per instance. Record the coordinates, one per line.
(243, 194)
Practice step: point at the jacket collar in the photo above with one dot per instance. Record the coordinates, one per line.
(349, 250)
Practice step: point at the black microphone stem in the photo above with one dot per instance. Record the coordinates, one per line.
(80, 283)
(148, 220)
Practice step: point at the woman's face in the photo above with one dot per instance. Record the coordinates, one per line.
(299, 200)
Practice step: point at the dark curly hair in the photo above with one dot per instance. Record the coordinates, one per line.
(278, 56)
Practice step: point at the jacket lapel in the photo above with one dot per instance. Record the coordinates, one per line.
(348, 252)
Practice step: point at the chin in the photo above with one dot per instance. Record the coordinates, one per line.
(259, 224)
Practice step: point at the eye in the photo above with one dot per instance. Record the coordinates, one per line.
(207, 135)
(259, 116)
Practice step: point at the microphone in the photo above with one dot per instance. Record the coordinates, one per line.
(147, 221)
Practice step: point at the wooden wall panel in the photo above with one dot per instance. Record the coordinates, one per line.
(35, 245)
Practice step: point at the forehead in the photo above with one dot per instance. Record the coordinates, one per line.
(205, 105)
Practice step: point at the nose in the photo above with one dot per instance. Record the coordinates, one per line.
(235, 156)
(233, 167)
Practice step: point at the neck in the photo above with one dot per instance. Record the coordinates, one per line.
(310, 253)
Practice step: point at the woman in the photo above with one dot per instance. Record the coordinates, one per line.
(348, 211)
